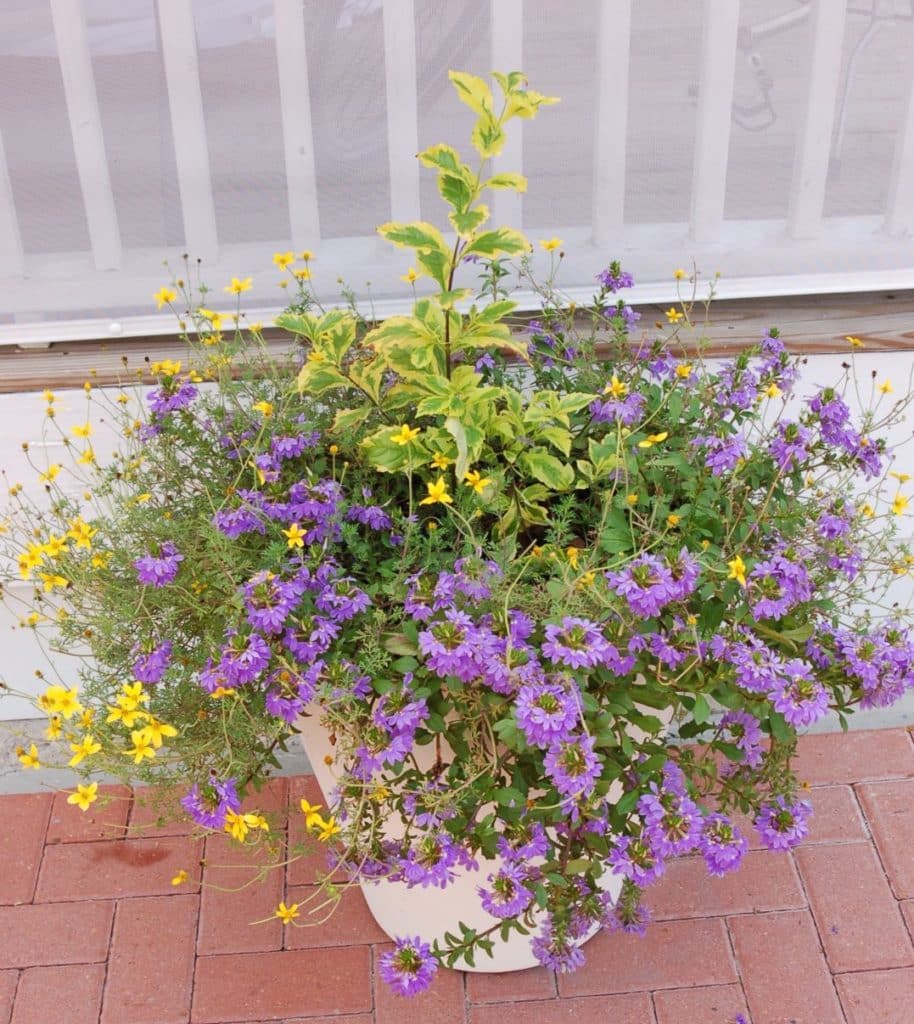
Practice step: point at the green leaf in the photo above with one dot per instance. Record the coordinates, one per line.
(701, 710)
(456, 429)
(418, 234)
(488, 137)
(316, 378)
(474, 92)
(398, 643)
(466, 222)
(455, 191)
(507, 180)
(349, 419)
(436, 264)
(558, 437)
(556, 475)
(501, 241)
(369, 375)
(444, 157)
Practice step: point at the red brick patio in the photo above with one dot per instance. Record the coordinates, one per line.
(91, 928)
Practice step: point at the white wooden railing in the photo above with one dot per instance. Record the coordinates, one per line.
(757, 256)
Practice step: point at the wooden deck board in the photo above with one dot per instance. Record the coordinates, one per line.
(808, 324)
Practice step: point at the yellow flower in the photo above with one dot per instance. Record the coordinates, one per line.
(310, 812)
(551, 244)
(679, 273)
(60, 700)
(684, 370)
(440, 461)
(141, 747)
(476, 480)
(84, 431)
(410, 276)
(283, 259)
(51, 473)
(166, 367)
(84, 796)
(616, 388)
(673, 315)
(29, 759)
(52, 580)
(215, 319)
(223, 691)
(854, 342)
(886, 387)
(672, 520)
(295, 536)
(238, 286)
(87, 718)
(306, 255)
(55, 545)
(437, 493)
(632, 498)
(85, 748)
(653, 439)
(737, 570)
(587, 580)
(87, 458)
(316, 356)
(155, 731)
(135, 693)
(334, 449)
(302, 273)
(900, 477)
(405, 434)
(899, 504)
(81, 532)
(100, 559)
(238, 825)
(180, 878)
(286, 914)
(55, 726)
(868, 510)
(327, 829)
(773, 391)
(164, 295)
(48, 396)
(264, 408)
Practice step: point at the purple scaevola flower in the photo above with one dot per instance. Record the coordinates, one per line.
(782, 825)
(409, 968)
(150, 665)
(159, 570)
(576, 643)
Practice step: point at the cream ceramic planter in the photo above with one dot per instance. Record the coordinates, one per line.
(430, 912)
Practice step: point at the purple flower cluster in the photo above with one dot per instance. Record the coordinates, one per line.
(210, 805)
(507, 893)
(151, 662)
(782, 825)
(269, 600)
(791, 448)
(547, 712)
(409, 968)
(880, 664)
(159, 570)
(778, 585)
(171, 397)
(627, 410)
(614, 278)
(722, 454)
(577, 643)
(649, 584)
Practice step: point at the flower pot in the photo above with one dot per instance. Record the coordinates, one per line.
(429, 912)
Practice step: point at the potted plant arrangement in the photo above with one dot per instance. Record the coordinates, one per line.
(549, 604)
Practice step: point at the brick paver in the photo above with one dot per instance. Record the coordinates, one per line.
(92, 931)
(859, 920)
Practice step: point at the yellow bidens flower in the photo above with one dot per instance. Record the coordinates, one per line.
(283, 259)
(684, 370)
(164, 295)
(653, 439)
(141, 747)
(155, 732)
(238, 285)
(900, 504)
(81, 532)
(411, 275)
(673, 315)
(679, 273)
(306, 254)
(405, 434)
(264, 408)
(85, 748)
(773, 391)
(310, 812)
(84, 431)
(886, 387)
(180, 878)
(58, 700)
(672, 520)
(302, 273)
(900, 477)
(49, 396)
(55, 727)
(476, 480)
(616, 388)
(437, 493)
(84, 796)
(295, 536)
(573, 554)
(28, 758)
(632, 498)
(737, 569)
(166, 367)
(853, 342)
(238, 825)
(551, 244)
(286, 914)
(52, 471)
(440, 461)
